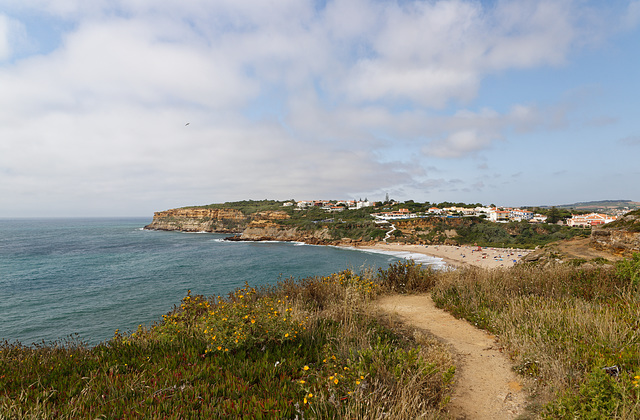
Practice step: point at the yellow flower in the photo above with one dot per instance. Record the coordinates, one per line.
(310, 395)
(302, 381)
(305, 367)
(305, 400)
(335, 381)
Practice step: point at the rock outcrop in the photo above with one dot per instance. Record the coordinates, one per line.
(621, 237)
(265, 230)
(199, 220)
(260, 226)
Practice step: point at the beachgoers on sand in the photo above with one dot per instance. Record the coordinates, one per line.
(460, 255)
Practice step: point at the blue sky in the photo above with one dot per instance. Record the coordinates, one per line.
(507, 102)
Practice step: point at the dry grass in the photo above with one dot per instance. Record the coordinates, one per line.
(563, 326)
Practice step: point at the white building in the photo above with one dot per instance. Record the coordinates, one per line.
(591, 219)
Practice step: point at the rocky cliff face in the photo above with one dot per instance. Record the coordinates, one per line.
(621, 237)
(199, 220)
(259, 226)
(265, 230)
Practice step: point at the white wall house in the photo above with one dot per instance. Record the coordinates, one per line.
(591, 219)
(499, 215)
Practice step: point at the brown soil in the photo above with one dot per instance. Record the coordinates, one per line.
(486, 386)
(582, 248)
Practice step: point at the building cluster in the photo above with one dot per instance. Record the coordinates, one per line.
(494, 214)
(331, 205)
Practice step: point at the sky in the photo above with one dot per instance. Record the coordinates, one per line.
(126, 107)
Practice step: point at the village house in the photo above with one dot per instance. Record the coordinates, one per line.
(499, 216)
(519, 215)
(395, 215)
(588, 220)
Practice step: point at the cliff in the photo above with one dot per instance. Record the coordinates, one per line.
(258, 226)
(199, 220)
(621, 237)
(265, 230)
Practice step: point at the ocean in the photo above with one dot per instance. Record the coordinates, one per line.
(88, 277)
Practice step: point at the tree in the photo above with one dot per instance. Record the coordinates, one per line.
(553, 216)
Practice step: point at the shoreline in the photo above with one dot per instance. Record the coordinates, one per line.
(457, 256)
(451, 255)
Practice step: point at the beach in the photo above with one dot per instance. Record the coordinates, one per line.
(459, 255)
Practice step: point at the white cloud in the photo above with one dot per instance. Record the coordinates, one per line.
(283, 99)
(458, 144)
(12, 36)
(5, 47)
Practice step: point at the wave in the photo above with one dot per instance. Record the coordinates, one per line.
(417, 257)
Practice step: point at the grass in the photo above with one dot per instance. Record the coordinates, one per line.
(311, 348)
(574, 331)
(316, 348)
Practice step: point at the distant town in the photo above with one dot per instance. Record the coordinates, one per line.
(492, 213)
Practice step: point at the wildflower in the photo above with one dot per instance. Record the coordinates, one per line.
(305, 367)
(302, 381)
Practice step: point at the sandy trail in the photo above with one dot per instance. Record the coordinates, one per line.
(486, 387)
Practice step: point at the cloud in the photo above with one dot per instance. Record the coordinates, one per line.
(458, 144)
(630, 140)
(468, 133)
(292, 98)
(631, 19)
(12, 36)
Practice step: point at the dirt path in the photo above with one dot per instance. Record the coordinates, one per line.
(486, 387)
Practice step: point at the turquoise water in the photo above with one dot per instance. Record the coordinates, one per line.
(92, 276)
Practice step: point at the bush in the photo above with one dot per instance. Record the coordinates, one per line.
(406, 277)
(629, 269)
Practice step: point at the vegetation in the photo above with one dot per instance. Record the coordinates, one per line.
(359, 225)
(630, 222)
(307, 349)
(246, 206)
(477, 231)
(571, 329)
(315, 348)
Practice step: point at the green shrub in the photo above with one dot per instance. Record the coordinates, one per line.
(629, 269)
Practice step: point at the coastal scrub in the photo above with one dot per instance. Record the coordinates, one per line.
(309, 348)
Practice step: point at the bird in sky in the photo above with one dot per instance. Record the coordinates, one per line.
(187, 124)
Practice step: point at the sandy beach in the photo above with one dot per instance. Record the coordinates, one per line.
(460, 255)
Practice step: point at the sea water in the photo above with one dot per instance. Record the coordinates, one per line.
(89, 277)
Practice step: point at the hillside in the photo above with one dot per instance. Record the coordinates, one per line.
(270, 220)
(600, 206)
